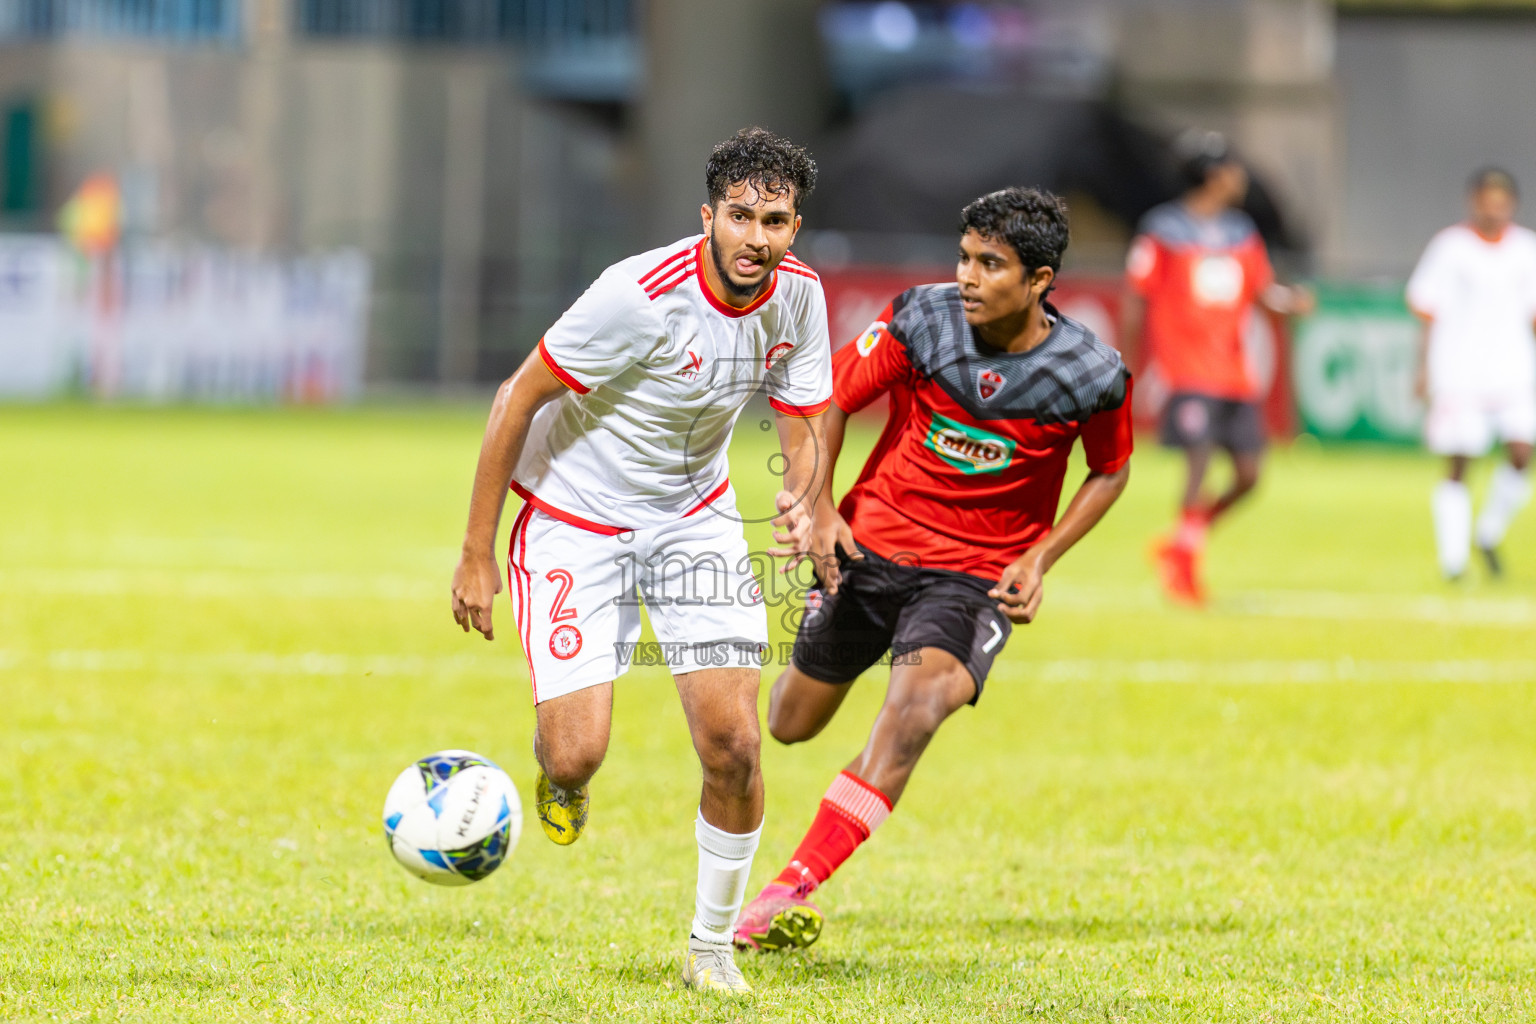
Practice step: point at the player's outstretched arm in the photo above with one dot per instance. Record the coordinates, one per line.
(1421, 364)
(476, 580)
(829, 530)
(1027, 572)
(1288, 299)
(807, 473)
(1133, 314)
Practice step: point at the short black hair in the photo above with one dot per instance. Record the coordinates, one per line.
(771, 163)
(1493, 177)
(1031, 220)
(1200, 151)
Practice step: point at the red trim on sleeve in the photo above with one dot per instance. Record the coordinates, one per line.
(803, 411)
(721, 306)
(564, 516)
(709, 499)
(554, 368)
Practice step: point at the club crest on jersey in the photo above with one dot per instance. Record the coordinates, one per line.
(969, 449)
(565, 642)
(989, 383)
(776, 353)
(870, 338)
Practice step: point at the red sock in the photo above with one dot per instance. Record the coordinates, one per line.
(1193, 524)
(849, 812)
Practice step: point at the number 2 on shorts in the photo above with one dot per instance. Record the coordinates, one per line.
(557, 611)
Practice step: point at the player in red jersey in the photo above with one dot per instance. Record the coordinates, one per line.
(947, 534)
(1195, 269)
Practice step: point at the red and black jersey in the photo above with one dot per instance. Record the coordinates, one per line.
(968, 472)
(1200, 277)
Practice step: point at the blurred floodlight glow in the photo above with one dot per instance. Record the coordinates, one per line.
(894, 26)
(971, 26)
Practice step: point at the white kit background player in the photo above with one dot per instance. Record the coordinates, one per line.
(1475, 290)
(615, 433)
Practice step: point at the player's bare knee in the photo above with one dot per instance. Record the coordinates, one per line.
(783, 730)
(731, 758)
(914, 722)
(787, 726)
(922, 718)
(1245, 478)
(934, 693)
(569, 772)
(781, 722)
(570, 764)
(792, 718)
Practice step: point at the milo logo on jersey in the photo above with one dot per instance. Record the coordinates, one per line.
(968, 449)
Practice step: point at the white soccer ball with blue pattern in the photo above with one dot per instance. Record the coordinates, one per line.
(452, 817)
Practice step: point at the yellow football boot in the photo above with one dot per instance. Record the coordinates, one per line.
(562, 812)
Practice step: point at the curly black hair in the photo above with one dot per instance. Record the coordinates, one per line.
(770, 162)
(1031, 220)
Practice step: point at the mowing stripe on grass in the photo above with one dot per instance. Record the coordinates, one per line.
(1305, 670)
(1498, 612)
(1506, 612)
(220, 583)
(1065, 670)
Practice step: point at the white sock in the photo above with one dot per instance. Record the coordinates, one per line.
(1507, 495)
(1452, 506)
(725, 861)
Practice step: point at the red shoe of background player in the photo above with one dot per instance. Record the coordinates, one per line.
(1181, 574)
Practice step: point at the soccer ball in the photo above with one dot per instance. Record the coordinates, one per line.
(452, 817)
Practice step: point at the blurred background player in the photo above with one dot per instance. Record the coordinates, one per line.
(952, 524)
(1195, 269)
(614, 432)
(1475, 290)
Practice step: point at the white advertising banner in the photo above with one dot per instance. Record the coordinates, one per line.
(34, 317)
(165, 323)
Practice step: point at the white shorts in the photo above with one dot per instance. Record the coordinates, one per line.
(576, 595)
(1470, 424)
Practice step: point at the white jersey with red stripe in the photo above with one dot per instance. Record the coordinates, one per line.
(659, 368)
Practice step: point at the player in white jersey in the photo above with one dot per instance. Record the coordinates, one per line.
(614, 433)
(1475, 290)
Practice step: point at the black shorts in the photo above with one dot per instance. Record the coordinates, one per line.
(886, 608)
(1192, 420)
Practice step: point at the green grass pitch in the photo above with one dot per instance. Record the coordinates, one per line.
(222, 634)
